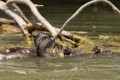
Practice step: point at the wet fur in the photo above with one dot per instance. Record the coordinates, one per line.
(42, 42)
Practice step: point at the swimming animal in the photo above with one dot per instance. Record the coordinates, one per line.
(97, 50)
(42, 42)
(68, 52)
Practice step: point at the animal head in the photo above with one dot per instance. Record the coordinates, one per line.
(66, 50)
(96, 49)
(42, 42)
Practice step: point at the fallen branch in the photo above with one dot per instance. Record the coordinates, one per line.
(18, 10)
(83, 7)
(14, 15)
(6, 21)
(67, 34)
(36, 13)
(38, 5)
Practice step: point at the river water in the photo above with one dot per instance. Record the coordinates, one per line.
(94, 20)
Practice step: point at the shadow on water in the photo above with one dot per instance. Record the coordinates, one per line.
(94, 20)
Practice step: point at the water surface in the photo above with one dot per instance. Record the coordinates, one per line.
(87, 67)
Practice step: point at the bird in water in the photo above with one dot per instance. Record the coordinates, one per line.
(97, 50)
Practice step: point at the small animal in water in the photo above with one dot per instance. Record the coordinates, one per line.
(97, 50)
(68, 52)
(42, 42)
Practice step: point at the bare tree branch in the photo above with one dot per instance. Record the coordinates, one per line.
(36, 13)
(21, 13)
(6, 21)
(38, 5)
(15, 16)
(83, 7)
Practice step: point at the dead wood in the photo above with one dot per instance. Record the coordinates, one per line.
(6, 21)
(36, 13)
(19, 11)
(83, 7)
(67, 34)
(13, 15)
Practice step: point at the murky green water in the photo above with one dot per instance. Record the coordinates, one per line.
(93, 20)
(87, 67)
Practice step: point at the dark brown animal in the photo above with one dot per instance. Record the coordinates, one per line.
(42, 42)
(97, 50)
(68, 52)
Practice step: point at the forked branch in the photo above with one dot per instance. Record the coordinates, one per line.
(83, 7)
